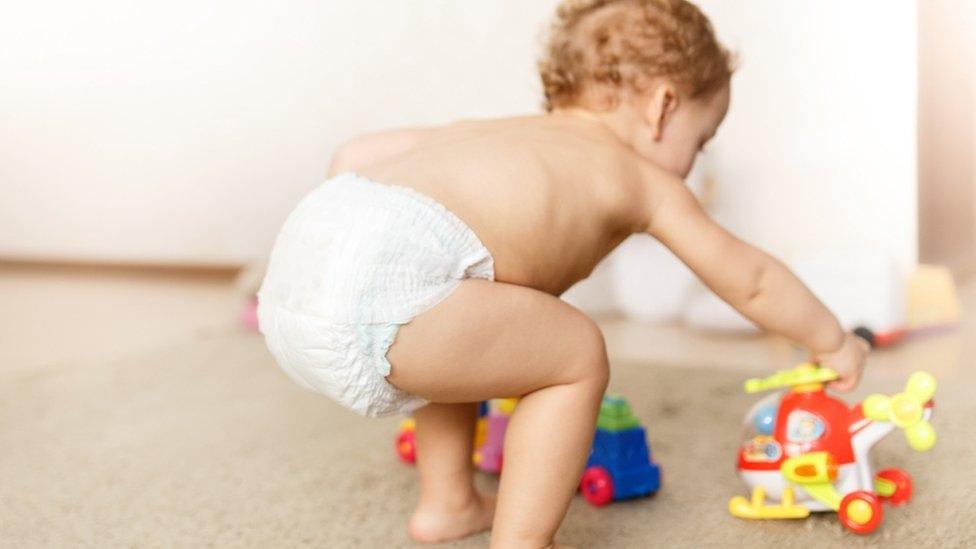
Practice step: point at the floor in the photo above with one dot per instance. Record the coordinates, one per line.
(62, 314)
(134, 411)
(103, 313)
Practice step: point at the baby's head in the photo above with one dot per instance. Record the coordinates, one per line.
(652, 68)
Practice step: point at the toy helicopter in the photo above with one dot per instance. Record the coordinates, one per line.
(809, 452)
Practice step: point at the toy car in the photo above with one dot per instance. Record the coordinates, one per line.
(619, 466)
(809, 452)
(489, 435)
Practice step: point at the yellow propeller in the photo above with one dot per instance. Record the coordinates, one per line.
(906, 410)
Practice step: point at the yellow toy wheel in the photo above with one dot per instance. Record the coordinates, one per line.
(860, 512)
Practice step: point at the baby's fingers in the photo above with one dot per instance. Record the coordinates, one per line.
(845, 384)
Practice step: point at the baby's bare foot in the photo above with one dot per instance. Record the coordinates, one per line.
(437, 522)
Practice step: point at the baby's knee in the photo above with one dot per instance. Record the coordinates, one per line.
(590, 356)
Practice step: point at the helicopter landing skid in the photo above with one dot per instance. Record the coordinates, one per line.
(756, 508)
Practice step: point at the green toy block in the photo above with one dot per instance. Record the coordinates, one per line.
(616, 415)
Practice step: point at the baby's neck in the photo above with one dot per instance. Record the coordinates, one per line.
(615, 123)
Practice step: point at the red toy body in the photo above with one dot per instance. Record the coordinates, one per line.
(835, 440)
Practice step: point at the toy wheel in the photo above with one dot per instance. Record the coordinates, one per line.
(860, 512)
(903, 486)
(597, 486)
(406, 447)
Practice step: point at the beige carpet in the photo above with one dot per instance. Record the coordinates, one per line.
(204, 443)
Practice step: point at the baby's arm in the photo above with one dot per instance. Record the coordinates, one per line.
(376, 147)
(756, 284)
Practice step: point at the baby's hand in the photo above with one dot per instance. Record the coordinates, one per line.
(848, 362)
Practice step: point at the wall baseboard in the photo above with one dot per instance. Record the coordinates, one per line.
(217, 271)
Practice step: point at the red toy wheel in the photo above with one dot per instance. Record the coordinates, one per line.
(597, 485)
(406, 448)
(903, 485)
(860, 512)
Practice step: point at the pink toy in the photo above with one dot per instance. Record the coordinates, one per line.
(249, 314)
(488, 456)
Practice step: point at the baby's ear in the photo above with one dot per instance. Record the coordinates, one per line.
(661, 104)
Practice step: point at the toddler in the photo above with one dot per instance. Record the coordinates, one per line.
(424, 275)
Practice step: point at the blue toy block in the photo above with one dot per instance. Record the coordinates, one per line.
(627, 458)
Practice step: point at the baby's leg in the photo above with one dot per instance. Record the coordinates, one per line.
(491, 339)
(449, 507)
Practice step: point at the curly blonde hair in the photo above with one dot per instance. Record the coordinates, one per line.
(598, 47)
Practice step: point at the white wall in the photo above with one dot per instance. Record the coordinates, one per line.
(819, 148)
(947, 134)
(185, 130)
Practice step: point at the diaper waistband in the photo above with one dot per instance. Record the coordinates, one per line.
(442, 220)
(355, 250)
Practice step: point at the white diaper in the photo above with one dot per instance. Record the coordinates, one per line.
(354, 261)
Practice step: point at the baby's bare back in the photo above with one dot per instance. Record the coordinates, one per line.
(548, 196)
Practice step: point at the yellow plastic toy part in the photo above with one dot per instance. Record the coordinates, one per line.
(824, 493)
(859, 511)
(805, 374)
(755, 508)
(884, 487)
(906, 410)
(811, 468)
(504, 405)
(816, 472)
(480, 437)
